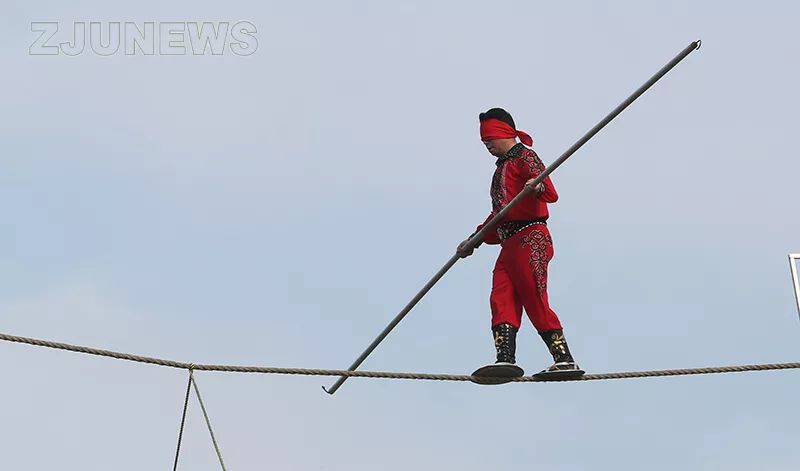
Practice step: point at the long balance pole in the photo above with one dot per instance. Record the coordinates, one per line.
(529, 187)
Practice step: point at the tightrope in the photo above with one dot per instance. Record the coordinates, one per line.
(380, 374)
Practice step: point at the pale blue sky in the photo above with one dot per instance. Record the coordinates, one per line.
(279, 209)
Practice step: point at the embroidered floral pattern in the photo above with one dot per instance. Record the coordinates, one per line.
(534, 163)
(539, 242)
(498, 190)
(515, 151)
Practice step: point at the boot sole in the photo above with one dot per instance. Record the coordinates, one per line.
(496, 374)
(564, 375)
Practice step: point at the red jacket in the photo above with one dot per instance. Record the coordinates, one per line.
(517, 167)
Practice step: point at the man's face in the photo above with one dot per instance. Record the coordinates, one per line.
(492, 147)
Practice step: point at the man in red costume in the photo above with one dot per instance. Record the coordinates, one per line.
(520, 274)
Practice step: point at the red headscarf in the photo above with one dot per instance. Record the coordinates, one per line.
(495, 129)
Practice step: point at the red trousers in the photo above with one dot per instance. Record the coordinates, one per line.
(520, 280)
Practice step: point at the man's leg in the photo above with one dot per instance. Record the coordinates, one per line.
(506, 311)
(532, 252)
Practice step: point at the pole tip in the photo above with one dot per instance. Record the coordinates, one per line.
(326, 390)
(698, 43)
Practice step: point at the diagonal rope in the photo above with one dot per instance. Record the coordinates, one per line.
(183, 420)
(382, 374)
(208, 422)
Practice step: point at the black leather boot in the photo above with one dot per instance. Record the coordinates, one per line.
(557, 345)
(505, 369)
(564, 366)
(505, 342)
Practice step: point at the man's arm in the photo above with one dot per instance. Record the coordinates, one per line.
(490, 238)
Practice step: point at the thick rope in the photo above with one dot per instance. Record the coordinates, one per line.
(208, 423)
(382, 374)
(183, 421)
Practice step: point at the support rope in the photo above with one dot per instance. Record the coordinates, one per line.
(381, 374)
(183, 421)
(208, 422)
